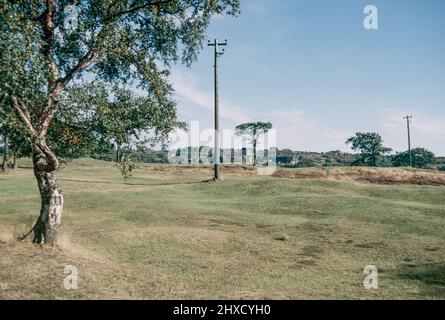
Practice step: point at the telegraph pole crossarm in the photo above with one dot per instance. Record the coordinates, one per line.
(216, 44)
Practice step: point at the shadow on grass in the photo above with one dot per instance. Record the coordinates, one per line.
(430, 276)
(138, 184)
(167, 183)
(89, 181)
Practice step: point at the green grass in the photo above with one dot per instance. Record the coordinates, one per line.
(168, 233)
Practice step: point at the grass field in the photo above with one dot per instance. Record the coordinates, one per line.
(170, 234)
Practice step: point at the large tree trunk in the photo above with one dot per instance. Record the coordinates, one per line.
(46, 227)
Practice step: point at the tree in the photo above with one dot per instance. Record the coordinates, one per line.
(17, 146)
(254, 130)
(124, 118)
(370, 145)
(48, 51)
(421, 157)
(14, 145)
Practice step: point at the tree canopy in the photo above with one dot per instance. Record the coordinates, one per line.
(421, 158)
(66, 70)
(127, 42)
(370, 145)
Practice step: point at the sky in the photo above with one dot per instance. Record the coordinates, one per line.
(313, 70)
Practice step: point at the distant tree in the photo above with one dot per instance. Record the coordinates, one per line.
(14, 146)
(123, 118)
(47, 49)
(370, 145)
(203, 153)
(385, 161)
(254, 130)
(421, 157)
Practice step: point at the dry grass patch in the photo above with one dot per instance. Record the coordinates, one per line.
(374, 175)
(6, 237)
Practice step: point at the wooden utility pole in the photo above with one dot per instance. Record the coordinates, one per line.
(408, 118)
(216, 153)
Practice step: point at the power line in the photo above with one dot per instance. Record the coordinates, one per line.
(216, 44)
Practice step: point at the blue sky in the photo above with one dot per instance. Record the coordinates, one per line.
(314, 71)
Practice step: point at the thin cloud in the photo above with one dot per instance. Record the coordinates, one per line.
(426, 131)
(186, 89)
(393, 119)
(295, 129)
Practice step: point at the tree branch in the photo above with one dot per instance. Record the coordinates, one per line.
(49, 111)
(89, 58)
(51, 162)
(22, 112)
(137, 8)
(47, 22)
(58, 85)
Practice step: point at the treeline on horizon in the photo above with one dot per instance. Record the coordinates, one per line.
(284, 158)
(288, 158)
